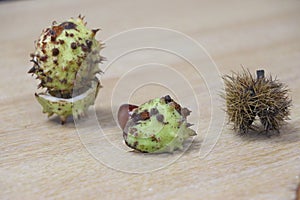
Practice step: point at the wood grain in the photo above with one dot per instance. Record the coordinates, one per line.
(42, 159)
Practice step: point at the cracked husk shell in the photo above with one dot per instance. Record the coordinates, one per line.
(158, 126)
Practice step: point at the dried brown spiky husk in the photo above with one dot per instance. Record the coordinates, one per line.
(247, 97)
(298, 192)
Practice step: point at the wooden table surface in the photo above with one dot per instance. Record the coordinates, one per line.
(41, 159)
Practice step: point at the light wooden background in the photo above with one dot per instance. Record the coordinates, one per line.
(40, 159)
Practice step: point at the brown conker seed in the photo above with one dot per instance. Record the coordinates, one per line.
(124, 114)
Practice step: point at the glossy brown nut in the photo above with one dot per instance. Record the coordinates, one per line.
(124, 114)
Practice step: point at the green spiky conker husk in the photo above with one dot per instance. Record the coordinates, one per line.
(66, 62)
(160, 125)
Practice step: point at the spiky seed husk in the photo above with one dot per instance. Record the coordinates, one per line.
(298, 192)
(66, 62)
(157, 126)
(248, 97)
